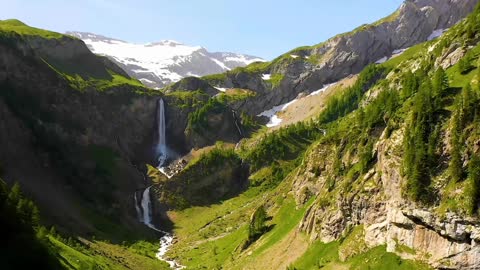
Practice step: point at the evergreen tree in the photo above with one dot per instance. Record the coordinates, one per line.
(464, 114)
(14, 195)
(465, 64)
(410, 84)
(433, 141)
(472, 189)
(440, 82)
(420, 144)
(455, 164)
(257, 225)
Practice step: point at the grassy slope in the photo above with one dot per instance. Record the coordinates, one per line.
(102, 255)
(81, 73)
(18, 27)
(210, 237)
(325, 256)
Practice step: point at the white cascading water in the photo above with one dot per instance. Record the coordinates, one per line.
(235, 119)
(137, 208)
(162, 139)
(162, 142)
(167, 239)
(146, 207)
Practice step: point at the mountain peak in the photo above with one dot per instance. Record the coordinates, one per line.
(167, 42)
(158, 64)
(91, 36)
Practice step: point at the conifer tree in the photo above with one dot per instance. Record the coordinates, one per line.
(472, 189)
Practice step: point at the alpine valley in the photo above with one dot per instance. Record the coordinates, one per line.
(360, 152)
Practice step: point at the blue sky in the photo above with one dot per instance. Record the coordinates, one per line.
(265, 28)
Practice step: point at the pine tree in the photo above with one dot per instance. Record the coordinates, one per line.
(433, 144)
(257, 224)
(440, 82)
(455, 164)
(14, 196)
(472, 189)
(465, 64)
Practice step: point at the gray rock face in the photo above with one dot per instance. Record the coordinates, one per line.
(413, 23)
(447, 241)
(161, 63)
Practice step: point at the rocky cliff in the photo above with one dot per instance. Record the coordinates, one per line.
(307, 69)
(440, 231)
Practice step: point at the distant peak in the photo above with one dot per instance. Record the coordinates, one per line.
(92, 36)
(167, 42)
(13, 22)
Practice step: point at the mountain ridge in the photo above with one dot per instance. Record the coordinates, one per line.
(157, 64)
(309, 68)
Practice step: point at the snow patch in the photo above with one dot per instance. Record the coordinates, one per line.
(272, 113)
(222, 65)
(382, 60)
(436, 33)
(190, 74)
(243, 59)
(221, 89)
(266, 77)
(294, 56)
(274, 120)
(144, 80)
(399, 51)
(325, 87)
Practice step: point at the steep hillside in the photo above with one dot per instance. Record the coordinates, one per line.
(66, 131)
(161, 63)
(385, 177)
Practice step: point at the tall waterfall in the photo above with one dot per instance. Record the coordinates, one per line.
(162, 142)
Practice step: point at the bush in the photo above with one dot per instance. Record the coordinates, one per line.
(465, 64)
(257, 226)
(199, 118)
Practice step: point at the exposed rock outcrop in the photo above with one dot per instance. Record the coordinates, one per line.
(312, 67)
(444, 241)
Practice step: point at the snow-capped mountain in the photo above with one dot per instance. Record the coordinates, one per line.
(161, 63)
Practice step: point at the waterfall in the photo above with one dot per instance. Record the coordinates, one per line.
(235, 119)
(167, 239)
(137, 208)
(145, 215)
(146, 207)
(162, 143)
